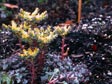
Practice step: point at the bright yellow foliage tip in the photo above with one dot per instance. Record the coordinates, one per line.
(30, 52)
(62, 30)
(45, 35)
(34, 16)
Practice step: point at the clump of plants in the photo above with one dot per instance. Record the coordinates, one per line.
(15, 68)
(25, 27)
(64, 72)
(5, 79)
(7, 43)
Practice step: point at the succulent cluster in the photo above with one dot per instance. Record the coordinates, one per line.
(30, 52)
(34, 16)
(58, 71)
(86, 50)
(45, 36)
(24, 30)
(27, 30)
(63, 30)
(15, 68)
(92, 45)
(4, 78)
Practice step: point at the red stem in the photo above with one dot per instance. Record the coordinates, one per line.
(32, 72)
(20, 44)
(62, 48)
(41, 61)
(32, 69)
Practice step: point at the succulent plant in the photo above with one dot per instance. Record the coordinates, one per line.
(15, 69)
(34, 16)
(4, 78)
(24, 30)
(58, 71)
(45, 36)
(63, 30)
(37, 38)
(27, 31)
(31, 52)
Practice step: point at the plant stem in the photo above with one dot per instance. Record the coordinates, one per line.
(20, 44)
(63, 52)
(32, 69)
(79, 9)
(41, 61)
(32, 72)
(62, 48)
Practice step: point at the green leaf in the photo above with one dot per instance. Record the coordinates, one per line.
(56, 70)
(5, 79)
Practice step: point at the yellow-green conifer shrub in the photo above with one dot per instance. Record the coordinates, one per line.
(34, 16)
(26, 30)
(62, 30)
